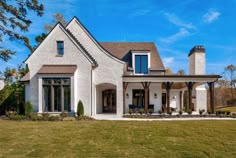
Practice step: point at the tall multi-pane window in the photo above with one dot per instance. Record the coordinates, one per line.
(141, 64)
(60, 47)
(56, 95)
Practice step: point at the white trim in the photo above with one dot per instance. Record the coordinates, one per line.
(141, 53)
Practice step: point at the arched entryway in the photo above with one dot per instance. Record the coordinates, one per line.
(106, 98)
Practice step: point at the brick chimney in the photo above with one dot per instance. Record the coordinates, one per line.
(197, 61)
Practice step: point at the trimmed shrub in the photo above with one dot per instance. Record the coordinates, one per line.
(189, 112)
(45, 114)
(80, 109)
(64, 114)
(68, 119)
(201, 111)
(170, 112)
(17, 117)
(160, 111)
(28, 108)
(227, 112)
(141, 111)
(36, 117)
(54, 118)
(180, 112)
(9, 113)
(86, 117)
(130, 111)
(219, 112)
(150, 111)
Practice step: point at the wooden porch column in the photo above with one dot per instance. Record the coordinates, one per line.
(190, 88)
(212, 96)
(168, 87)
(146, 89)
(180, 100)
(125, 84)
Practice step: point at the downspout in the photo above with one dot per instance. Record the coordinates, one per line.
(91, 91)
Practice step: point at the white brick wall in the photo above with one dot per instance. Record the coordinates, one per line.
(197, 66)
(46, 55)
(109, 70)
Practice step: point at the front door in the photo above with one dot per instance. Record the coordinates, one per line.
(109, 101)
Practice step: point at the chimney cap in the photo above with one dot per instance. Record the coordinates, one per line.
(198, 48)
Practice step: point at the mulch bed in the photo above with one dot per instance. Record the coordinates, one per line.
(176, 116)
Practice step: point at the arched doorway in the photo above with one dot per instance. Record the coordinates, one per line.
(106, 98)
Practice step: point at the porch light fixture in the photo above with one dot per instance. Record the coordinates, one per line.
(155, 95)
(127, 95)
(174, 97)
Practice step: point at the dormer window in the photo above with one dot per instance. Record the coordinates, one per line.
(141, 62)
(60, 47)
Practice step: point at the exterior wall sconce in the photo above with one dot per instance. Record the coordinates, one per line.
(155, 95)
(127, 95)
(174, 97)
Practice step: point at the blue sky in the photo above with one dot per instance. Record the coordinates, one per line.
(175, 27)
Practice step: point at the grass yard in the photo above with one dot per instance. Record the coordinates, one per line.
(229, 108)
(118, 139)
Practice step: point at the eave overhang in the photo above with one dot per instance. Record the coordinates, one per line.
(171, 78)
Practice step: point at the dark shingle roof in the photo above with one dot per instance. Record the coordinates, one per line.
(122, 50)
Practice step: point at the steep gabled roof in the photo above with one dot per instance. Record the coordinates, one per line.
(122, 50)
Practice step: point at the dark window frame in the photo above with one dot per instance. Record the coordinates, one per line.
(60, 47)
(62, 82)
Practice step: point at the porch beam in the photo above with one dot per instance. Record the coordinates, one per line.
(125, 85)
(212, 96)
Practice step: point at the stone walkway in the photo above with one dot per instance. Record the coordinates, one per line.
(113, 117)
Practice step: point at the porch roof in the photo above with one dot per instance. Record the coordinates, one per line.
(57, 69)
(171, 78)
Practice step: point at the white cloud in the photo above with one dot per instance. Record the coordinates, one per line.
(180, 34)
(167, 61)
(211, 16)
(176, 21)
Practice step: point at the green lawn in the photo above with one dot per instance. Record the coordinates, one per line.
(118, 139)
(230, 108)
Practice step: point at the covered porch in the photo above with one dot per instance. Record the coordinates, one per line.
(168, 92)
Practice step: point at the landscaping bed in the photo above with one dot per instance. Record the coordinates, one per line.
(177, 116)
(218, 114)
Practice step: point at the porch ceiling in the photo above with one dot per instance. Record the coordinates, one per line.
(171, 78)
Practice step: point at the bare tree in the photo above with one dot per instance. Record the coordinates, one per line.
(230, 77)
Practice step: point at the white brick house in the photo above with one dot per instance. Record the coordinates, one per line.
(111, 77)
